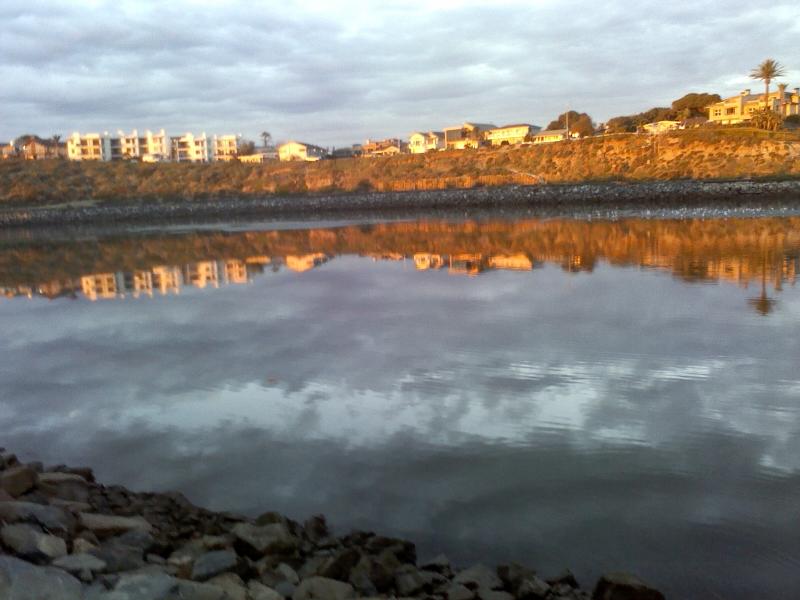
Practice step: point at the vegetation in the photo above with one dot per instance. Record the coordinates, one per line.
(689, 106)
(767, 71)
(580, 123)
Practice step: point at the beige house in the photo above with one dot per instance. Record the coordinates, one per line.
(387, 147)
(149, 146)
(661, 126)
(740, 108)
(546, 137)
(514, 262)
(300, 151)
(425, 260)
(259, 157)
(306, 262)
(466, 135)
(420, 142)
(511, 134)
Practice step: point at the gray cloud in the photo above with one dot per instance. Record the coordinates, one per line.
(340, 73)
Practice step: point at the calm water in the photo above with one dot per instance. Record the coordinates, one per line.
(598, 395)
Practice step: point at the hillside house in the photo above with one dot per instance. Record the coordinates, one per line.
(300, 151)
(661, 126)
(740, 108)
(508, 135)
(552, 135)
(466, 135)
(420, 142)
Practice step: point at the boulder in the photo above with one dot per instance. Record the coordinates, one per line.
(479, 577)
(273, 537)
(438, 564)
(146, 584)
(288, 573)
(119, 556)
(259, 591)
(495, 595)
(213, 563)
(408, 581)
(322, 588)
(18, 480)
(456, 591)
(22, 580)
(104, 526)
(82, 565)
(195, 590)
(532, 588)
(29, 542)
(340, 565)
(623, 586)
(316, 528)
(232, 584)
(66, 486)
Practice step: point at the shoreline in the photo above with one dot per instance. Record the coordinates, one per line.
(67, 537)
(590, 199)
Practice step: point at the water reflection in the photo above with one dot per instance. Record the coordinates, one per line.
(742, 251)
(581, 400)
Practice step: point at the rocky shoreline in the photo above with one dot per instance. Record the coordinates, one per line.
(538, 199)
(66, 536)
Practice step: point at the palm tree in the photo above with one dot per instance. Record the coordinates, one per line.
(265, 135)
(766, 72)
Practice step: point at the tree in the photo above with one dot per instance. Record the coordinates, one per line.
(580, 123)
(694, 104)
(267, 137)
(55, 140)
(764, 118)
(766, 72)
(246, 148)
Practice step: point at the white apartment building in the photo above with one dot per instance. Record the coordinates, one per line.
(150, 147)
(90, 146)
(226, 147)
(191, 148)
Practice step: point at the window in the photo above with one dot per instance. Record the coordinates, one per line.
(730, 110)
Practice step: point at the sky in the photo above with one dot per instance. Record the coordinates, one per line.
(337, 73)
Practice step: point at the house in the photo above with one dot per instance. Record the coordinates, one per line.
(466, 264)
(306, 262)
(552, 135)
(259, 157)
(387, 147)
(740, 108)
(300, 151)
(661, 126)
(511, 134)
(425, 260)
(7, 151)
(466, 135)
(347, 151)
(191, 148)
(514, 262)
(420, 142)
(89, 146)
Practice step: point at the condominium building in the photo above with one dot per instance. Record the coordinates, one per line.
(740, 108)
(226, 147)
(191, 148)
(149, 147)
(89, 146)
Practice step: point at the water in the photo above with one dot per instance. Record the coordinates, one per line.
(602, 395)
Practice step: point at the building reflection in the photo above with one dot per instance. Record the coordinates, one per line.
(745, 252)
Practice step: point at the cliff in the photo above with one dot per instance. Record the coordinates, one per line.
(695, 154)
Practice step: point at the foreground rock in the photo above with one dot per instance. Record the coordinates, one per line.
(64, 536)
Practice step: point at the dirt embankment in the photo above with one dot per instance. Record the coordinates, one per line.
(697, 154)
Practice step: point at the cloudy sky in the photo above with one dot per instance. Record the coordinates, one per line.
(340, 72)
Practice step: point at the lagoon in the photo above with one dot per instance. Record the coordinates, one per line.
(595, 394)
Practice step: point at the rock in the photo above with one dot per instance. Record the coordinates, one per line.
(479, 577)
(29, 542)
(316, 528)
(17, 480)
(408, 581)
(66, 486)
(623, 586)
(438, 564)
(495, 595)
(119, 556)
(532, 588)
(213, 563)
(274, 537)
(143, 585)
(513, 574)
(198, 591)
(322, 588)
(232, 584)
(457, 591)
(288, 573)
(20, 580)
(405, 551)
(7, 459)
(5, 496)
(258, 591)
(82, 565)
(285, 589)
(81, 546)
(564, 578)
(340, 565)
(72, 506)
(104, 526)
